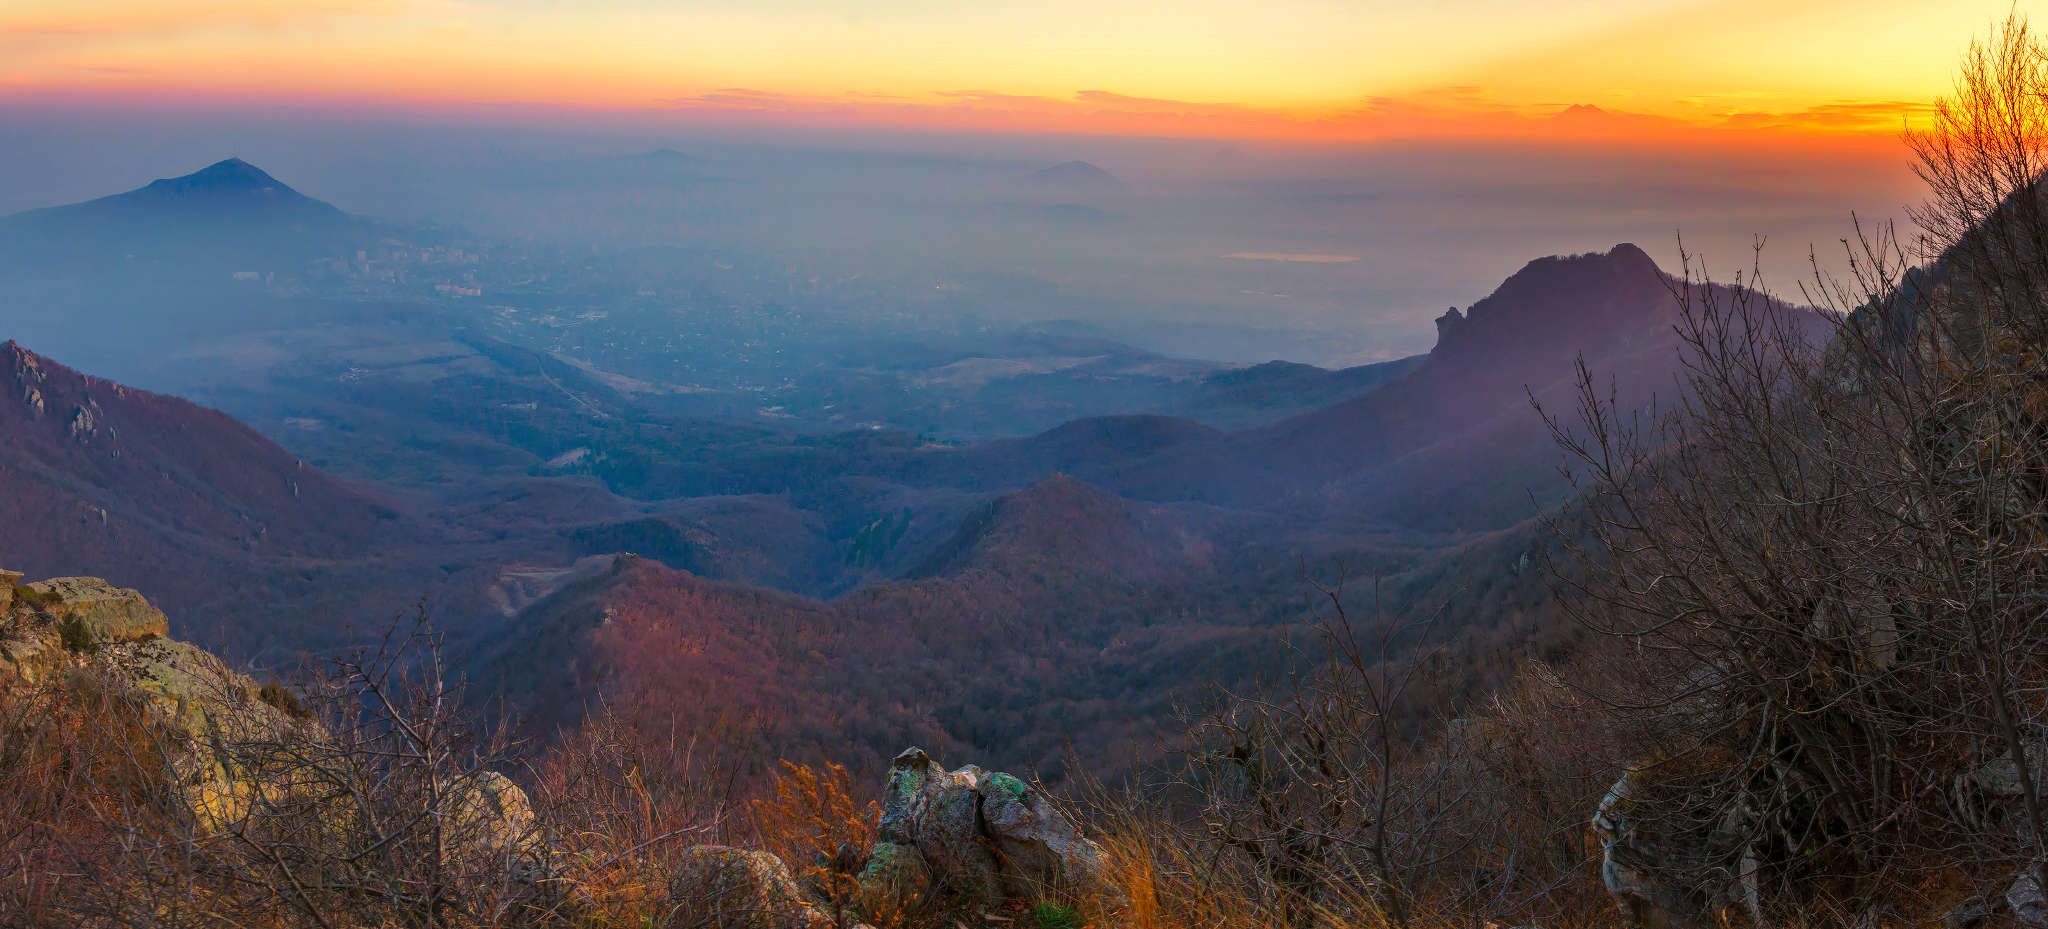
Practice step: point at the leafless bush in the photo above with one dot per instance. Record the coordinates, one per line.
(1824, 565)
(625, 804)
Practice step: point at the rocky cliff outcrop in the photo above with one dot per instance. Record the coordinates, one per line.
(243, 759)
(70, 633)
(82, 638)
(226, 756)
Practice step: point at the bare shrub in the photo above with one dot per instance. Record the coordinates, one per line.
(1822, 566)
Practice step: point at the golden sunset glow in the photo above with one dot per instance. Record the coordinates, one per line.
(1281, 69)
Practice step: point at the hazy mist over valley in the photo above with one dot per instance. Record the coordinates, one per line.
(1052, 464)
(962, 221)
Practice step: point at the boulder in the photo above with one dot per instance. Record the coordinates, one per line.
(2025, 901)
(495, 834)
(717, 887)
(1034, 840)
(493, 819)
(1662, 879)
(8, 580)
(205, 703)
(1628, 862)
(92, 612)
(980, 835)
(1999, 777)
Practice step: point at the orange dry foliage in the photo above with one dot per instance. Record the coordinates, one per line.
(811, 820)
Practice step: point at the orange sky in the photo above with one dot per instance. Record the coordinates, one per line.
(1276, 69)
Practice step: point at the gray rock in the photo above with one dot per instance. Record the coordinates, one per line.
(2000, 777)
(2029, 908)
(979, 835)
(1034, 840)
(717, 887)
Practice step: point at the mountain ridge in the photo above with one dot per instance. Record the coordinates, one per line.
(164, 493)
(227, 215)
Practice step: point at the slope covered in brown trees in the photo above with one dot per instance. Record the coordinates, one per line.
(218, 521)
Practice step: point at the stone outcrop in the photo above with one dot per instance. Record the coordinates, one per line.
(717, 887)
(980, 835)
(1634, 862)
(113, 636)
(66, 634)
(968, 835)
(48, 624)
(103, 613)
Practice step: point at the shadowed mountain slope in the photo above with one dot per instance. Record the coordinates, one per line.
(97, 478)
(1451, 444)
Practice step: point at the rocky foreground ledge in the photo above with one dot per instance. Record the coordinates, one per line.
(968, 835)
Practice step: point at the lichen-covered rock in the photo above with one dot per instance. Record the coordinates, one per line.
(979, 835)
(717, 887)
(231, 747)
(896, 872)
(8, 579)
(94, 612)
(1033, 839)
(73, 632)
(207, 705)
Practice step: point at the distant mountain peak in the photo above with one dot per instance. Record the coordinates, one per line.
(668, 154)
(1624, 259)
(234, 170)
(1077, 175)
(229, 176)
(229, 215)
(1562, 300)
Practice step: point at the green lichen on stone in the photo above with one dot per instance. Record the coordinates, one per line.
(75, 635)
(889, 862)
(1007, 784)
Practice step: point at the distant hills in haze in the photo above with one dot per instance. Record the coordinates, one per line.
(590, 535)
(229, 214)
(1077, 177)
(1447, 441)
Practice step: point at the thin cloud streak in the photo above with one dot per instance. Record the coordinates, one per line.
(147, 20)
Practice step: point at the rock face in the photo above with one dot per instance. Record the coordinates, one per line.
(1632, 863)
(52, 627)
(716, 887)
(100, 612)
(64, 637)
(976, 834)
(47, 624)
